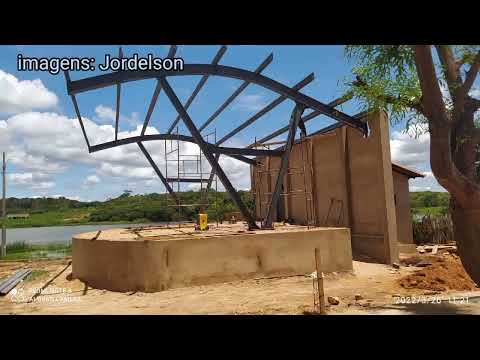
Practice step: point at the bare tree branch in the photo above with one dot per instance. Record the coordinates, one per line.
(450, 69)
(432, 99)
(454, 80)
(471, 74)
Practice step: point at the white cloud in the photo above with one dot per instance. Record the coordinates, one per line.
(414, 152)
(106, 114)
(54, 143)
(43, 185)
(410, 151)
(475, 92)
(253, 102)
(428, 183)
(34, 181)
(90, 181)
(23, 95)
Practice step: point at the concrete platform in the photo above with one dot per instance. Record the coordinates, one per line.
(158, 258)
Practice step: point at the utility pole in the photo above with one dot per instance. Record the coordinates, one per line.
(3, 251)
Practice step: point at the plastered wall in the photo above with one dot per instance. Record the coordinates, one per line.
(150, 265)
(347, 181)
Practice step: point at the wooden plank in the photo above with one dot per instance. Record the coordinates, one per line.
(39, 292)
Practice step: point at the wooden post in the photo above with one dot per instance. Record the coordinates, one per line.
(321, 293)
(3, 250)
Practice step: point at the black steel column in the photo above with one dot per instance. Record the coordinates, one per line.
(208, 153)
(294, 121)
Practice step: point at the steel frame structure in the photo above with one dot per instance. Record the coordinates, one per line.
(213, 151)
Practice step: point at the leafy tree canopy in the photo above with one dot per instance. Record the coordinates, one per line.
(385, 77)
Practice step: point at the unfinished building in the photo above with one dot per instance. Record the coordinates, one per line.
(345, 177)
(337, 177)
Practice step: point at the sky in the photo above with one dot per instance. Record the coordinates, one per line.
(47, 155)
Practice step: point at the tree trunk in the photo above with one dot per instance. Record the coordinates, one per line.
(465, 147)
(452, 167)
(465, 194)
(466, 226)
(466, 220)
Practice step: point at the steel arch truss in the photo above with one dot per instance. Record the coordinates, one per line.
(212, 152)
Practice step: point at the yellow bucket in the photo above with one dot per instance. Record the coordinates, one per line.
(203, 221)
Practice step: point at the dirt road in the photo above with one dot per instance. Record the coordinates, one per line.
(377, 288)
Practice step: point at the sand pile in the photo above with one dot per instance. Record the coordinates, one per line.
(440, 273)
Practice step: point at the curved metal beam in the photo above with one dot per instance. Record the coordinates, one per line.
(135, 139)
(100, 81)
(233, 152)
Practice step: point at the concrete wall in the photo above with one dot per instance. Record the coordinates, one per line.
(316, 167)
(374, 226)
(403, 213)
(129, 265)
(351, 179)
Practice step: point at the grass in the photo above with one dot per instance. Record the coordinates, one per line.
(433, 210)
(52, 218)
(66, 217)
(24, 251)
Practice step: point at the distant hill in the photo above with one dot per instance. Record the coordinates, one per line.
(35, 205)
(125, 208)
(157, 207)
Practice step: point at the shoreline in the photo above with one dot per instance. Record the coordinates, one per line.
(141, 221)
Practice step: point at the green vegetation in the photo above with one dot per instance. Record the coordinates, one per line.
(429, 203)
(155, 207)
(160, 207)
(125, 208)
(429, 199)
(22, 250)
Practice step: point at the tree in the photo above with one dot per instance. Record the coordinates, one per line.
(432, 87)
(126, 193)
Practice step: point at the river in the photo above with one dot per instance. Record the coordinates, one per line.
(58, 234)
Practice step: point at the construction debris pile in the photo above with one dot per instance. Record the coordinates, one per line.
(441, 271)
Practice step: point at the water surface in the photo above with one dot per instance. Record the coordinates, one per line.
(58, 234)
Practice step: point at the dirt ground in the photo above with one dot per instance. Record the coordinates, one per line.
(371, 289)
(441, 272)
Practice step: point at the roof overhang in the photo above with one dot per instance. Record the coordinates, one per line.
(410, 173)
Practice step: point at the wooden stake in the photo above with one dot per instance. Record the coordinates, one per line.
(321, 293)
(39, 292)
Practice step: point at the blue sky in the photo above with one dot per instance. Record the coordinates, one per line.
(46, 153)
